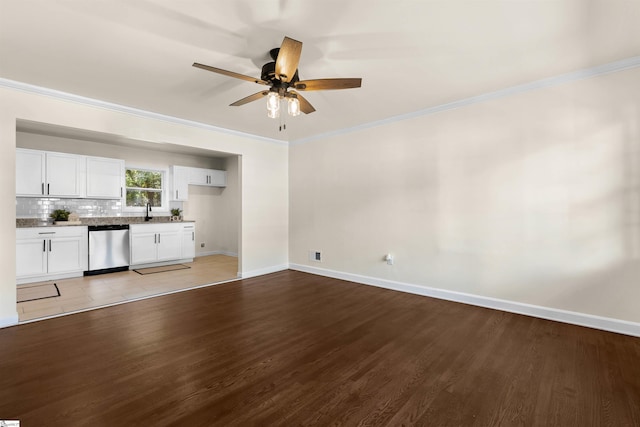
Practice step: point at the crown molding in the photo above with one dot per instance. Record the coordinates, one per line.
(600, 70)
(65, 96)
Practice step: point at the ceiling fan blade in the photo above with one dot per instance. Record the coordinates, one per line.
(305, 106)
(250, 98)
(288, 59)
(325, 84)
(230, 73)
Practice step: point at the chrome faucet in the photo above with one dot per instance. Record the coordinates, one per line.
(147, 217)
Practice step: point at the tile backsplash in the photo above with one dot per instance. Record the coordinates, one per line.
(36, 207)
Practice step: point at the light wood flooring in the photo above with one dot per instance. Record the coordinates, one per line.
(106, 289)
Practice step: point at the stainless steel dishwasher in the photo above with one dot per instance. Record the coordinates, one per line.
(108, 248)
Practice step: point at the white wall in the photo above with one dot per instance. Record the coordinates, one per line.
(532, 198)
(264, 177)
(217, 213)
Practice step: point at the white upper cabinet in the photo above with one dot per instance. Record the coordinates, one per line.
(198, 176)
(105, 178)
(64, 174)
(30, 173)
(207, 177)
(60, 174)
(217, 178)
(179, 183)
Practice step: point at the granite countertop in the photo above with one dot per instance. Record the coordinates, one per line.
(37, 222)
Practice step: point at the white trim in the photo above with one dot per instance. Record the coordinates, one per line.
(599, 70)
(575, 318)
(227, 253)
(164, 208)
(262, 271)
(9, 320)
(65, 96)
(233, 254)
(200, 254)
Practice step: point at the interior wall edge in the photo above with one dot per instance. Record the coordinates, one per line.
(9, 320)
(548, 313)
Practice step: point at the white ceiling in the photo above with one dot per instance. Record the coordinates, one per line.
(411, 54)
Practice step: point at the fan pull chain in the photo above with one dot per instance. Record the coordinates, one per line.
(283, 124)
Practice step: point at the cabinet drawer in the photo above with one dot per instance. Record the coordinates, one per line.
(51, 232)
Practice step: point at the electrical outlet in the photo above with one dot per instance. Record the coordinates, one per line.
(315, 255)
(202, 245)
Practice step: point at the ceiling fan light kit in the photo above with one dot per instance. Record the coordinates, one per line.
(282, 77)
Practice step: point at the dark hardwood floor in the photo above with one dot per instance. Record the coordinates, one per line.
(292, 349)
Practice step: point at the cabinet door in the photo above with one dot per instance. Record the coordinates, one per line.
(143, 248)
(63, 173)
(105, 178)
(198, 176)
(30, 175)
(169, 245)
(188, 242)
(66, 254)
(31, 257)
(218, 178)
(180, 181)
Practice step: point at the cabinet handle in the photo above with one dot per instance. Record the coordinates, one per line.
(158, 237)
(49, 245)
(193, 236)
(155, 239)
(44, 245)
(120, 191)
(176, 194)
(48, 189)
(43, 188)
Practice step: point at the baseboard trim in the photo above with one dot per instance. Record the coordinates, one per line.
(574, 318)
(233, 254)
(9, 320)
(263, 271)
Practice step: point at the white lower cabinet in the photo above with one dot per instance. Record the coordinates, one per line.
(188, 240)
(48, 253)
(157, 243)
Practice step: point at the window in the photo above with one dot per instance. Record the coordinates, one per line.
(144, 186)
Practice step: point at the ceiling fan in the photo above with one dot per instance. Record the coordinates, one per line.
(282, 77)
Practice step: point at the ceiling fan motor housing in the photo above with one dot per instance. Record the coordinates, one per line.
(269, 75)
